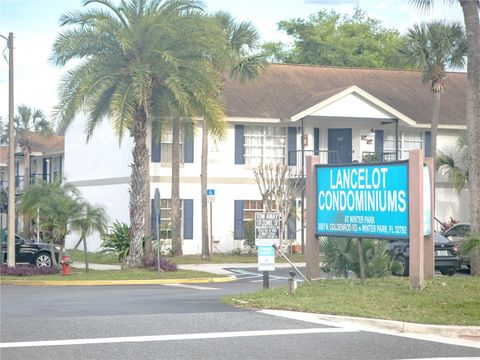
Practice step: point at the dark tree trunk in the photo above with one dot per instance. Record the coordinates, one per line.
(148, 206)
(176, 220)
(472, 25)
(434, 128)
(138, 182)
(203, 190)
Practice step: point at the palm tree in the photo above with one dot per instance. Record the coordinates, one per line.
(453, 166)
(140, 62)
(435, 47)
(471, 15)
(27, 121)
(57, 204)
(239, 59)
(89, 220)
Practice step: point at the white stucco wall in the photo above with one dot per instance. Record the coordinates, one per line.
(100, 169)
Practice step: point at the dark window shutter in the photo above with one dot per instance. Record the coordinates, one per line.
(428, 143)
(188, 149)
(379, 145)
(292, 146)
(153, 221)
(239, 144)
(155, 150)
(188, 219)
(238, 221)
(316, 141)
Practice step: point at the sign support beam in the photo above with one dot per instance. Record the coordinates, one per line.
(416, 250)
(312, 251)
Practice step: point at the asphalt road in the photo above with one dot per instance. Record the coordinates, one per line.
(182, 322)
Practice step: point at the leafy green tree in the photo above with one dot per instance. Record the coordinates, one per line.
(238, 57)
(56, 204)
(26, 122)
(140, 62)
(90, 219)
(328, 38)
(434, 48)
(454, 166)
(471, 15)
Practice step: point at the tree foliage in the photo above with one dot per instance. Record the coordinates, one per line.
(59, 209)
(329, 38)
(279, 189)
(137, 63)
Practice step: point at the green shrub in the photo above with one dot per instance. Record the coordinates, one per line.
(117, 240)
(249, 233)
(340, 255)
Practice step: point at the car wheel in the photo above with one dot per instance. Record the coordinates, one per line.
(449, 272)
(43, 260)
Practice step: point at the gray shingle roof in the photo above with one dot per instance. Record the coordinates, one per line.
(288, 89)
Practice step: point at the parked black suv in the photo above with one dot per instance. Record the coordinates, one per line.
(29, 252)
(447, 258)
(456, 234)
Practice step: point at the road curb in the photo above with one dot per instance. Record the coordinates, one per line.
(118, 282)
(405, 327)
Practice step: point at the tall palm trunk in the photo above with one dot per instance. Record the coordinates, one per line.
(203, 186)
(437, 95)
(138, 181)
(176, 221)
(472, 25)
(148, 205)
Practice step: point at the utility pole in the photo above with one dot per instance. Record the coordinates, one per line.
(11, 158)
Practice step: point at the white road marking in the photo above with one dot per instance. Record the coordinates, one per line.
(450, 358)
(135, 339)
(192, 287)
(314, 318)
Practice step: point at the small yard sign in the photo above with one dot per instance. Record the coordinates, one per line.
(267, 228)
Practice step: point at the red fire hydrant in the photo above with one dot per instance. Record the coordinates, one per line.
(66, 264)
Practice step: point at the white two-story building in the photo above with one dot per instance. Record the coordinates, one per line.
(343, 115)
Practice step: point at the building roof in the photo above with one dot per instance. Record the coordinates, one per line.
(48, 145)
(285, 90)
(41, 145)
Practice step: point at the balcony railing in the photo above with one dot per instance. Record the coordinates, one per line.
(331, 157)
(370, 156)
(326, 157)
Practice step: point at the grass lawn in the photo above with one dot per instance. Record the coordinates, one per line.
(126, 274)
(445, 300)
(97, 258)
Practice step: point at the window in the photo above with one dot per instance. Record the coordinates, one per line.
(265, 145)
(166, 218)
(406, 141)
(250, 207)
(57, 167)
(167, 145)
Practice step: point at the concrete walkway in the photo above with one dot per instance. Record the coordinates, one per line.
(81, 265)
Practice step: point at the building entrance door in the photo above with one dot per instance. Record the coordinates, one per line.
(339, 146)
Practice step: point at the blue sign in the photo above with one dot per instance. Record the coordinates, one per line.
(363, 200)
(266, 258)
(210, 192)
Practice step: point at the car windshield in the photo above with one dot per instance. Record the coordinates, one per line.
(441, 239)
(22, 239)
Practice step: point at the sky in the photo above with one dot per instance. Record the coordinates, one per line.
(35, 26)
